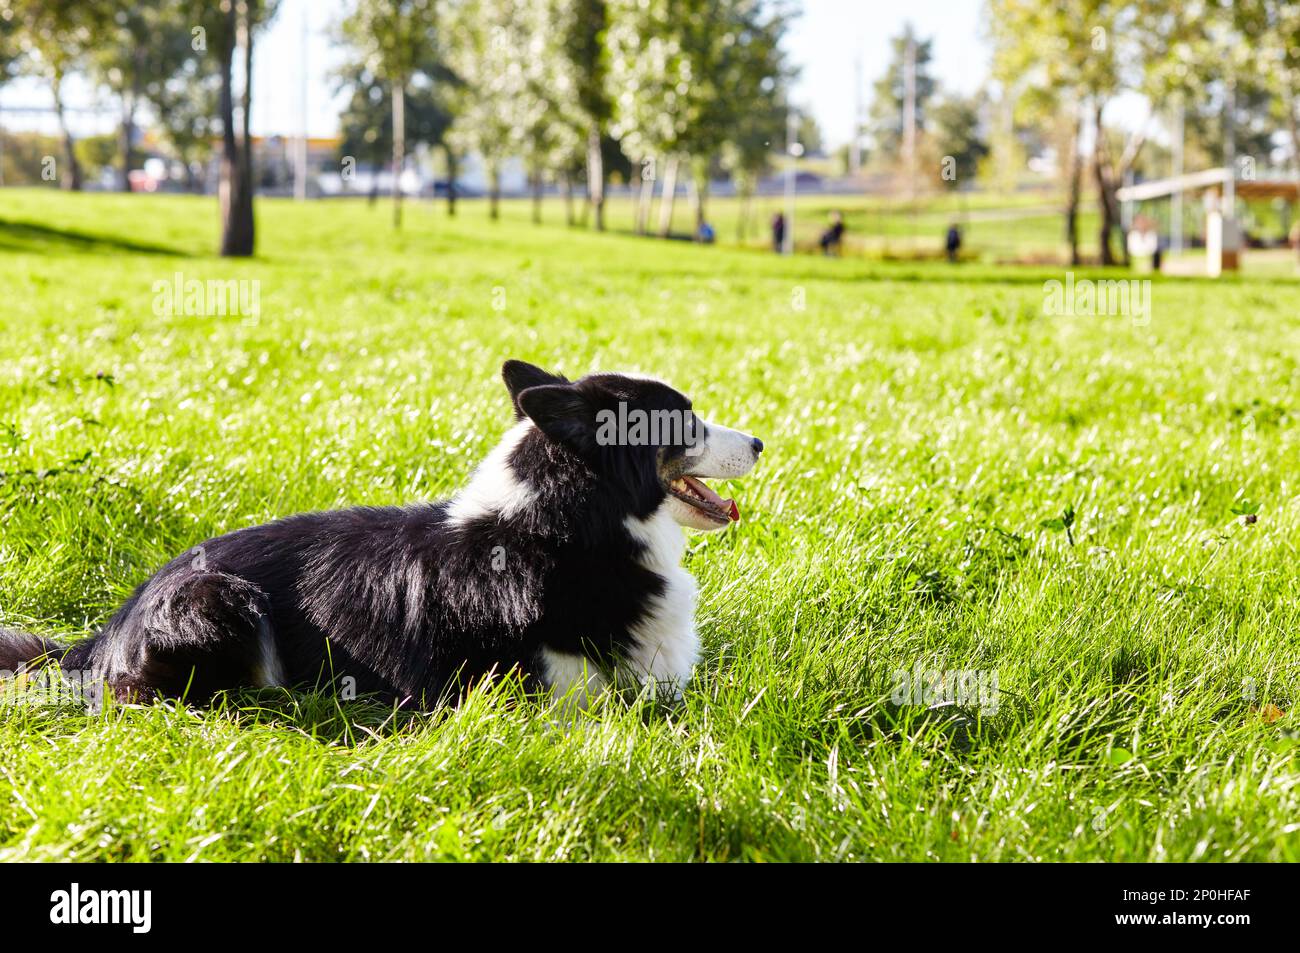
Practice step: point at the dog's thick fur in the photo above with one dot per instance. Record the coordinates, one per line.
(560, 559)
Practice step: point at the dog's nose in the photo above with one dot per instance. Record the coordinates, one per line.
(757, 445)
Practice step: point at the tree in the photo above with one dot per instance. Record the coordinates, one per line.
(240, 22)
(581, 26)
(366, 122)
(1084, 52)
(9, 49)
(646, 70)
(495, 105)
(1230, 57)
(9, 55)
(186, 101)
(747, 153)
(396, 39)
(757, 126)
(955, 127)
(549, 113)
(683, 74)
(1273, 28)
(146, 43)
(886, 121)
(223, 30)
(56, 35)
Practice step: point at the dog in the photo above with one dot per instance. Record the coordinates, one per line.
(560, 560)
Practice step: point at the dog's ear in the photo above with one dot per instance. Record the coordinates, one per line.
(563, 413)
(520, 375)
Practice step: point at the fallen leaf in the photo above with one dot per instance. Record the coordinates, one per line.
(1271, 713)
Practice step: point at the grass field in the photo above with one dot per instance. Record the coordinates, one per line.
(923, 423)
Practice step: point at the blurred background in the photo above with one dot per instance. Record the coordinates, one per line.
(1078, 131)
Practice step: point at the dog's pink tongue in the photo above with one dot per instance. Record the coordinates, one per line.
(733, 511)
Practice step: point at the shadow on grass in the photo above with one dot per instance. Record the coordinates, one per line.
(33, 237)
(320, 716)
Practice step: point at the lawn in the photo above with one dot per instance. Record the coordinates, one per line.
(926, 427)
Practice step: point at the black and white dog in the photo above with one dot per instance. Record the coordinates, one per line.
(561, 559)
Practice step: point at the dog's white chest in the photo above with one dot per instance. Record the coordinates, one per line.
(667, 645)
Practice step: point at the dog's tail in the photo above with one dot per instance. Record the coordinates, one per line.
(22, 651)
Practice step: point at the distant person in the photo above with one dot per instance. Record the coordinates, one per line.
(953, 242)
(1143, 241)
(778, 233)
(833, 238)
(706, 234)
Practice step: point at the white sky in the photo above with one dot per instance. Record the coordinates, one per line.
(831, 33)
(823, 43)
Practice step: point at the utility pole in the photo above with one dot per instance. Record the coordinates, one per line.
(1176, 208)
(300, 165)
(909, 115)
(855, 144)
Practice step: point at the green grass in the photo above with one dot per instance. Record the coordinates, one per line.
(922, 423)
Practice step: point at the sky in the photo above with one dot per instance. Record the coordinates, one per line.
(823, 43)
(830, 34)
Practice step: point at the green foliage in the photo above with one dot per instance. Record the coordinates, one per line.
(580, 26)
(10, 50)
(699, 78)
(366, 123)
(22, 159)
(497, 104)
(96, 153)
(394, 39)
(955, 127)
(187, 100)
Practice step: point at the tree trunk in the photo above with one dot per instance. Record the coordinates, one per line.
(568, 199)
(1105, 195)
(129, 100)
(746, 205)
(537, 196)
(1075, 191)
(71, 181)
(494, 192)
(646, 195)
(700, 194)
(229, 173)
(399, 146)
(596, 177)
(667, 197)
(246, 120)
(236, 191)
(1107, 220)
(126, 132)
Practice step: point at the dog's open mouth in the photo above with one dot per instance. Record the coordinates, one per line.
(694, 492)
